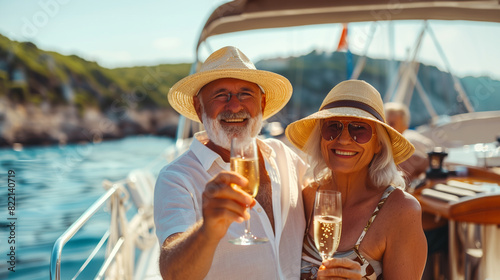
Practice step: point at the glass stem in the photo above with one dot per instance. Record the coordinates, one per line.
(247, 226)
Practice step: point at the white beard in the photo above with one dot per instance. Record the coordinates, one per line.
(222, 135)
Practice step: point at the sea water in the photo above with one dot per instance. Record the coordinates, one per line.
(52, 186)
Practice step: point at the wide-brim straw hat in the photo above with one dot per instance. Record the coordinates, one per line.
(352, 98)
(229, 62)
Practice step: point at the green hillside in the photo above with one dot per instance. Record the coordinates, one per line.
(51, 98)
(32, 75)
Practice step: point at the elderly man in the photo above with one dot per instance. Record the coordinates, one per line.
(398, 117)
(197, 210)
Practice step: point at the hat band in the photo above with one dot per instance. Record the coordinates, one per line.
(354, 104)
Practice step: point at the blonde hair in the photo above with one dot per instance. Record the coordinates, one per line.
(382, 171)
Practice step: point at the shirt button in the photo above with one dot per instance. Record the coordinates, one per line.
(259, 210)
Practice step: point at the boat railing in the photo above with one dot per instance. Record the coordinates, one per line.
(55, 260)
(124, 235)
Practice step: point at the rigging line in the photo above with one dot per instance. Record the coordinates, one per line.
(424, 96)
(457, 85)
(392, 68)
(92, 254)
(360, 65)
(391, 90)
(405, 89)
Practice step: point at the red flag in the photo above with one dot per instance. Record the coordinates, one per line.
(343, 40)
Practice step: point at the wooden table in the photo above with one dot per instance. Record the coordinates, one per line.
(470, 204)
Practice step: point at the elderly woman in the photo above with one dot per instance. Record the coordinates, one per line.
(354, 151)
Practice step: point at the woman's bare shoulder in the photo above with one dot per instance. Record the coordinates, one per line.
(403, 204)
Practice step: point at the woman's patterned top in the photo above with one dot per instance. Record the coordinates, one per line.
(311, 259)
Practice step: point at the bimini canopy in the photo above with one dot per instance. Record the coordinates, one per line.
(241, 15)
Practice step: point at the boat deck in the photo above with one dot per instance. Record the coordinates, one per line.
(147, 269)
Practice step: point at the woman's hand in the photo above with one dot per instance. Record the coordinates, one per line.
(339, 269)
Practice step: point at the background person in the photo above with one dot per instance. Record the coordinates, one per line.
(398, 117)
(195, 206)
(353, 150)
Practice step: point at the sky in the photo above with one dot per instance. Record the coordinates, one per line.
(149, 32)
(114, 33)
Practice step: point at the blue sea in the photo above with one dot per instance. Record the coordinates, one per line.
(54, 185)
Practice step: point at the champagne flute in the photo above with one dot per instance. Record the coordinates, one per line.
(244, 161)
(327, 222)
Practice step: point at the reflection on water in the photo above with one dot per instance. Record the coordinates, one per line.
(54, 186)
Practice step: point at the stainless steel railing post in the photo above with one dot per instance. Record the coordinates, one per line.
(55, 258)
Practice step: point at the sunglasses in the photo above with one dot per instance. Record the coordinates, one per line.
(360, 132)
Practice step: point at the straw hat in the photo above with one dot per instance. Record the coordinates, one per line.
(229, 62)
(351, 98)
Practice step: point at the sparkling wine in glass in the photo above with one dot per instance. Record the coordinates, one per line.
(327, 222)
(244, 161)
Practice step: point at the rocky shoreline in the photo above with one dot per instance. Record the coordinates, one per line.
(27, 124)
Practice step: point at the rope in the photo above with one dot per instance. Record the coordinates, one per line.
(145, 238)
(136, 233)
(124, 260)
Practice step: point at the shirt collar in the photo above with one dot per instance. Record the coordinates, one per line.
(205, 155)
(265, 149)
